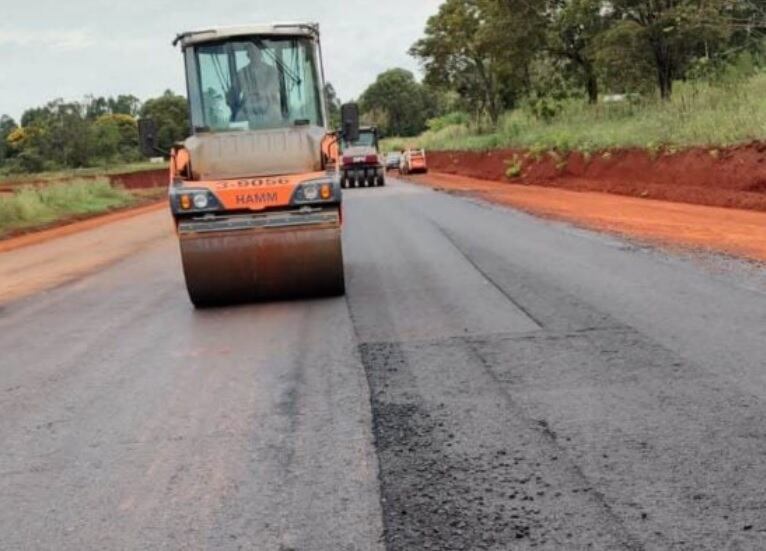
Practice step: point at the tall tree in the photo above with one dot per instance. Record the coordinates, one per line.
(481, 49)
(57, 133)
(124, 104)
(398, 103)
(7, 125)
(115, 136)
(572, 33)
(673, 32)
(333, 105)
(512, 31)
(96, 107)
(170, 111)
(65, 138)
(35, 115)
(455, 56)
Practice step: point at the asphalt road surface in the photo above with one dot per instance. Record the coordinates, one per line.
(490, 381)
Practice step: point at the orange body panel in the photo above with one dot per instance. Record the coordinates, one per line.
(260, 193)
(256, 193)
(179, 164)
(331, 149)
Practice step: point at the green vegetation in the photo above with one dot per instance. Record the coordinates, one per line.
(497, 73)
(171, 113)
(76, 173)
(32, 206)
(702, 114)
(96, 132)
(397, 104)
(593, 74)
(496, 54)
(333, 105)
(514, 167)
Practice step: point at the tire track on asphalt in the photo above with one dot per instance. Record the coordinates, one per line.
(630, 541)
(444, 505)
(633, 443)
(473, 472)
(486, 276)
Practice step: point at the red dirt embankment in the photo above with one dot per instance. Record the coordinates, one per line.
(731, 231)
(143, 179)
(731, 177)
(157, 177)
(71, 226)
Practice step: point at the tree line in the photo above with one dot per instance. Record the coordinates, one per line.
(92, 132)
(98, 131)
(480, 58)
(484, 57)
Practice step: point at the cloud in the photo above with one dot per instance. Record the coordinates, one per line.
(51, 39)
(79, 49)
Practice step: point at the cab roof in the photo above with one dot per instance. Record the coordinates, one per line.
(310, 30)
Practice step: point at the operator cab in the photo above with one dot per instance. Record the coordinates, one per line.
(254, 82)
(256, 90)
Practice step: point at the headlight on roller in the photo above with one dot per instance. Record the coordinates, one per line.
(201, 201)
(310, 192)
(314, 192)
(194, 200)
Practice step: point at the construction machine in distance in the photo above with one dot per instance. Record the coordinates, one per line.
(255, 190)
(413, 161)
(361, 160)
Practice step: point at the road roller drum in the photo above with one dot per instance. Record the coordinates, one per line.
(277, 259)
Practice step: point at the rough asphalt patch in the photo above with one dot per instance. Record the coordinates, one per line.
(616, 440)
(462, 472)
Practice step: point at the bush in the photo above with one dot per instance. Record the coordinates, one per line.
(514, 168)
(702, 113)
(30, 160)
(457, 118)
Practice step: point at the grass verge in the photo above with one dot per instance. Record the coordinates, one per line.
(93, 172)
(35, 206)
(700, 114)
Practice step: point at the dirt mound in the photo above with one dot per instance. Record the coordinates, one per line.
(144, 179)
(732, 177)
(157, 177)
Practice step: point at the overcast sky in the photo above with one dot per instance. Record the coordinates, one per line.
(70, 48)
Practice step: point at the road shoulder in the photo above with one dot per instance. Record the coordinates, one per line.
(712, 229)
(45, 260)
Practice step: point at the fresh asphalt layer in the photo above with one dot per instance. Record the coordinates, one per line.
(490, 381)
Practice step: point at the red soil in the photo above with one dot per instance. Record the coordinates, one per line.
(68, 226)
(145, 179)
(157, 177)
(733, 177)
(731, 231)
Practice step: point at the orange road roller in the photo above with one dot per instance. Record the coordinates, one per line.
(255, 190)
